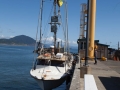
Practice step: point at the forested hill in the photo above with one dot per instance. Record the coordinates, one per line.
(18, 40)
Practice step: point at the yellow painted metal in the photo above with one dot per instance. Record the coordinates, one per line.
(60, 3)
(95, 47)
(92, 14)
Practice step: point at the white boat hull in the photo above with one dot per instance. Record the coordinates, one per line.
(49, 77)
(50, 84)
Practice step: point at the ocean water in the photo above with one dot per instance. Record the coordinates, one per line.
(15, 65)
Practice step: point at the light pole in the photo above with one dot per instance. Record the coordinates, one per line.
(87, 36)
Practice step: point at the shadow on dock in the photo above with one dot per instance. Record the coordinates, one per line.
(111, 83)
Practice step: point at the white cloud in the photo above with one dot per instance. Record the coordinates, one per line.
(50, 39)
(59, 40)
(11, 36)
(73, 42)
(2, 36)
(6, 37)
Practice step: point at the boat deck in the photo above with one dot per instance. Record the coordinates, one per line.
(64, 58)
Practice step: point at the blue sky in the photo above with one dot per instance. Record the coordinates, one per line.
(20, 17)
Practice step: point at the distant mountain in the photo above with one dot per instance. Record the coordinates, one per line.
(18, 40)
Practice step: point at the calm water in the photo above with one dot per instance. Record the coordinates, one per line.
(15, 64)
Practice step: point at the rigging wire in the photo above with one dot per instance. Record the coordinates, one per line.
(37, 34)
(116, 6)
(47, 25)
(37, 28)
(48, 20)
(40, 24)
(41, 11)
(67, 26)
(59, 15)
(63, 28)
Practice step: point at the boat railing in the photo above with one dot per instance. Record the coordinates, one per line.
(35, 63)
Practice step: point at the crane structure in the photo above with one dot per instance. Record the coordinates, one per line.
(87, 29)
(83, 16)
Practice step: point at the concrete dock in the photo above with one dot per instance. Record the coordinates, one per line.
(106, 75)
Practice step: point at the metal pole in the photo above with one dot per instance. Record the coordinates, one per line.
(118, 45)
(92, 17)
(55, 24)
(87, 36)
(67, 26)
(41, 11)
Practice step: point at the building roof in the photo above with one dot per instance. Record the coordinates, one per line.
(103, 44)
(111, 49)
(96, 41)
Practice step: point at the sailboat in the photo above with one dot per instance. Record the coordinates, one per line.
(53, 64)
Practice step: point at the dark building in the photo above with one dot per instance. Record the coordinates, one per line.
(111, 53)
(102, 49)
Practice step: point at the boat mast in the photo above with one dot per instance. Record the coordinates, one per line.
(55, 1)
(66, 26)
(41, 11)
(55, 21)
